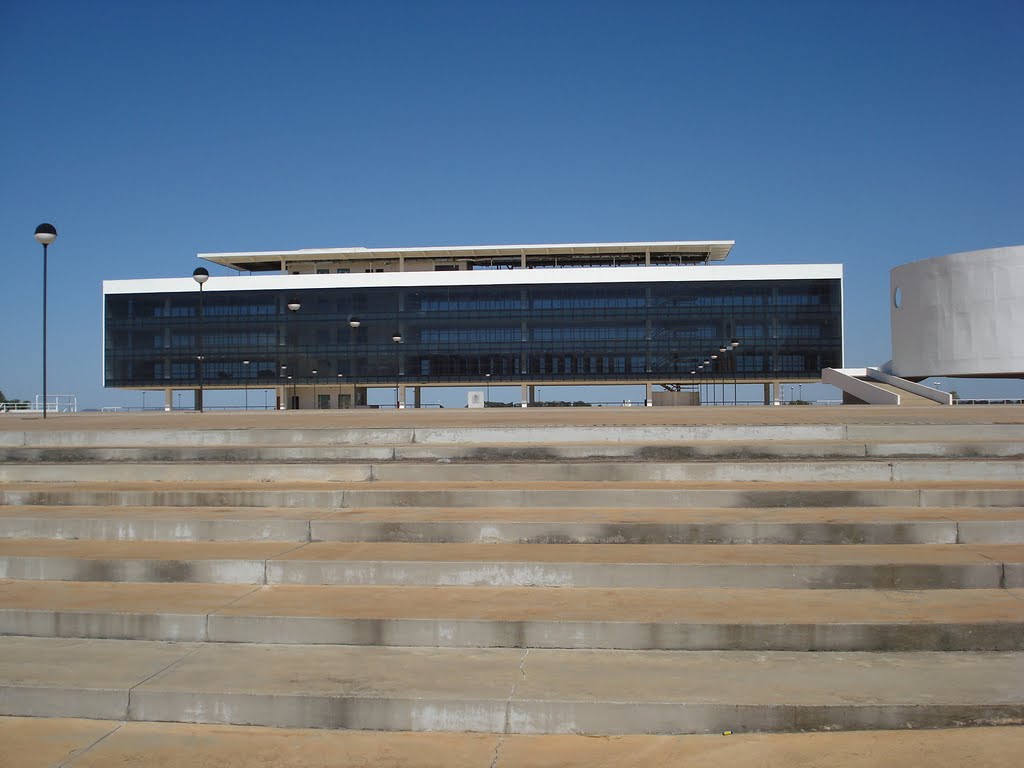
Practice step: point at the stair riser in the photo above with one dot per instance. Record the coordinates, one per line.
(653, 575)
(119, 529)
(921, 532)
(592, 472)
(533, 453)
(908, 532)
(450, 633)
(656, 575)
(398, 714)
(625, 498)
(459, 435)
(134, 570)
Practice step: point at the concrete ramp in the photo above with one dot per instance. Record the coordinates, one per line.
(872, 386)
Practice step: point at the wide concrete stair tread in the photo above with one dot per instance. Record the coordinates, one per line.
(682, 619)
(78, 743)
(495, 689)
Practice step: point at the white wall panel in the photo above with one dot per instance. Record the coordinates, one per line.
(959, 315)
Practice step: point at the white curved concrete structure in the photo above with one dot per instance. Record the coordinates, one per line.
(959, 315)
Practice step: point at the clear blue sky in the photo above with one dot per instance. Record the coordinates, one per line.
(865, 133)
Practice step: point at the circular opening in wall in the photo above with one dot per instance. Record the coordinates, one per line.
(897, 298)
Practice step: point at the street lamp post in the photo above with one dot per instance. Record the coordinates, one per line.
(487, 397)
(45, 235)
(711, 382)
(200, 275)
(397, 338)
(723, 368)
(293, 306)
(735, 365)
(340, 377)
(284, 388)
(315, 402)
(246, 382)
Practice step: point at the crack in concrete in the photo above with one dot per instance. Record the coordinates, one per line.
(266, 563)
(508, 711)
(78, 753)
(206, 620)
(128, 708)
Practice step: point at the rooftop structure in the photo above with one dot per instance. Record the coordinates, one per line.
(445, 258)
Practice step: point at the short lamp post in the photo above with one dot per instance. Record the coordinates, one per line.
(200, 275)
(723, 367)
(487, 397)
(285, 405)
(735, 365)
(714, 389)
(315, 402)
(45, 235)
(293, 307)
(245, 374)
(397, 338)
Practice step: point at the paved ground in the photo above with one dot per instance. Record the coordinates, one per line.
(48, 743)
(451, 417)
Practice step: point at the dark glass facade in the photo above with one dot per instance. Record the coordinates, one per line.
(567, 333)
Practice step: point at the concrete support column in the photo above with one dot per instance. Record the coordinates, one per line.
(198, 401)
(168, 399)
(417, 394)
(524, 394)
(767, 394)
(648, 393)
(401, 395)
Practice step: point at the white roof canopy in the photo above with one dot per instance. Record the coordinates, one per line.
(690, 250)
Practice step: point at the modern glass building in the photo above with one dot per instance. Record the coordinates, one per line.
(332, 323)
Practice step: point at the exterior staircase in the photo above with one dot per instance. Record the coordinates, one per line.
(512, 579)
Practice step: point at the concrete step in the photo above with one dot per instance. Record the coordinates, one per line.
(653, 565)
(520, 617)
(994, 493)
(861, 470)
(795, 525)
(807, 566)
(518, 452)
(607, 427)
(35, 742)
(514, 691)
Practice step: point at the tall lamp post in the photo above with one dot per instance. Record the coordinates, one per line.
(293, 306)
(397, 338)
(285, 405)
(735, 365)
(711, 382)
(45, 235)
(200, 275)
(487, 397)
(246, 374)
(723, 368)
(315, 402)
